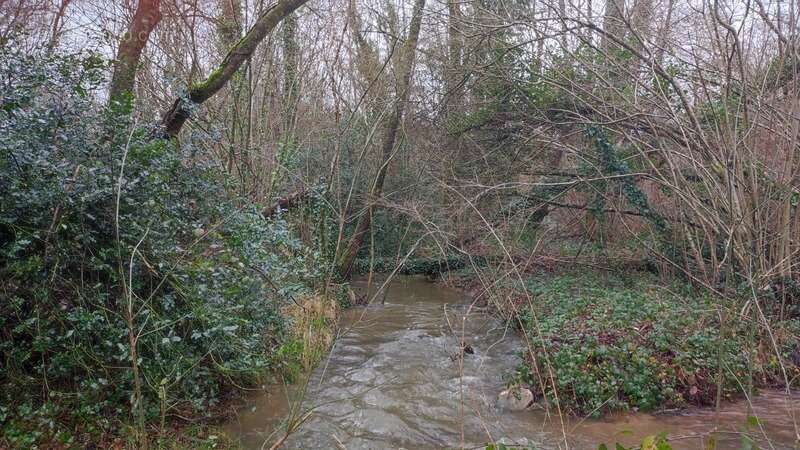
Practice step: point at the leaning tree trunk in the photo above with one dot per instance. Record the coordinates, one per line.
(391, 128)
(178, 114)
(145, 19)
(229, 31)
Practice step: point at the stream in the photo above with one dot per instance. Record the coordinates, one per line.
(395, 378)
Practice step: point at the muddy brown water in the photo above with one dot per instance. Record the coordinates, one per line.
(393, 380)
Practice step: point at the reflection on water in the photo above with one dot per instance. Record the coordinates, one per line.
(395, 379)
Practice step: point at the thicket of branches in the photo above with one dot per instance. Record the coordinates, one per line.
(664, 133)
(678, 119)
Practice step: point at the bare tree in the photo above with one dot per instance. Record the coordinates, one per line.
(391, 128)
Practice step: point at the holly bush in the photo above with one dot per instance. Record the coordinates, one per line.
(113, 242)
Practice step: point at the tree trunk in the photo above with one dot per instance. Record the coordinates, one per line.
(613, 23)
(229, 27)
(58, 23)
(562, 12)
(454, 72)
(291, 92)
(145, 19)
(368, 65)
(229, 31)
(392, 126)
(291, 87)
(176, 116)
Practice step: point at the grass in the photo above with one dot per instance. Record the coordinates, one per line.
(313, 319)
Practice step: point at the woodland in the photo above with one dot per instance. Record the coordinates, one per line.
(189, 187)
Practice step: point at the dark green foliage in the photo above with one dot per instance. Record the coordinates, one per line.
(390, 232)
(512, 94)
(620, 343)
(95, 216)
(612, 165)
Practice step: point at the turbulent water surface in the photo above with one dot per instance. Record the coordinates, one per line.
(396, 378)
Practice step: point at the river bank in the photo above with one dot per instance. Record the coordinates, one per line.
(398, 377)
(599, 342)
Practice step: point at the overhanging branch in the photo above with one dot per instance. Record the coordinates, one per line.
(176, 116)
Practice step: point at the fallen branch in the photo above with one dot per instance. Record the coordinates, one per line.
(286, 203)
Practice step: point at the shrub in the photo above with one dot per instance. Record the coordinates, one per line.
(112, 242)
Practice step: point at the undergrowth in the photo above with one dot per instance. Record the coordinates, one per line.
(135, 290)
(628, 341)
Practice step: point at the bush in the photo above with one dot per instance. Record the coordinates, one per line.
(619, 343)
(112, 242)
